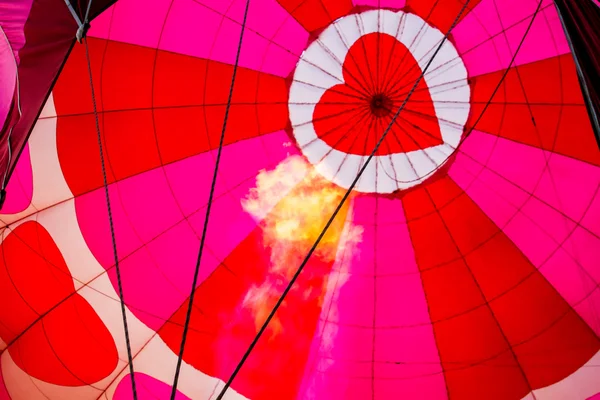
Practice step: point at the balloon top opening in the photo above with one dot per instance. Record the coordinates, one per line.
(380, 105)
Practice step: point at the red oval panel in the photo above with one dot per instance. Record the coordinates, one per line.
(53, 333)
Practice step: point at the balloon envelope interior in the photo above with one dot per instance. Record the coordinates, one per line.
(464, 264)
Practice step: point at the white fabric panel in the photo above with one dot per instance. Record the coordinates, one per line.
(387, 180)
(349, 170)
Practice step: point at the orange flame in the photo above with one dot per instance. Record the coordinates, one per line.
(299, 203)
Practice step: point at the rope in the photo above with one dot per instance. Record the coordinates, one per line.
(335, 213)
(110, 220)
(82, 38)
(208, 209)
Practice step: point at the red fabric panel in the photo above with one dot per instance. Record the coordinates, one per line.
(496, 319)
(234, 301)
(148, 110)
(378, 67)
(547, 111)
(439, 13)
(49, 35)
(315, 15)
(581, 20)
(52, 331)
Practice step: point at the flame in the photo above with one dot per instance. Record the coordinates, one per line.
(327, 330)
(273, 185)
(297, 203)
(299, 217)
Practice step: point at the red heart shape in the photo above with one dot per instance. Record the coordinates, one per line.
(379, 71)
(53, 333)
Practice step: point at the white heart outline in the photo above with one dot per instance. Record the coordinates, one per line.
(310, 83)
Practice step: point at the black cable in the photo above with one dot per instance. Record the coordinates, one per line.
(580, 56)
(208, 208)
(110, 220)
(335, 213)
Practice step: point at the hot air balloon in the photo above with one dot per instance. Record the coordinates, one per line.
(299, 199)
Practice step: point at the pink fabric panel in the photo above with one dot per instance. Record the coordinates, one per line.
(571, 277)
(408, 364)
(159, 215)
(13, 14)
(588, 309)
(368, 208)
(139, 197)
(584, 247)
(562, 190)
(575, 286)
(391, 234)
(393, 4)
(485, 48)
(591, 218)
(375, 310)
(545, 231)
(93, 222)
(345, 377)
(20, 187)
(129, 22)
(570, 187)
(8, 74)
(148, 388)
(394, 254)
(40, 34)
(165, 265)
(240, 163)
(562, 182)
(273, 40)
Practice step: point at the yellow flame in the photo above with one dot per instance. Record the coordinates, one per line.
(297, 203)
(273, 185)
(300, 202)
